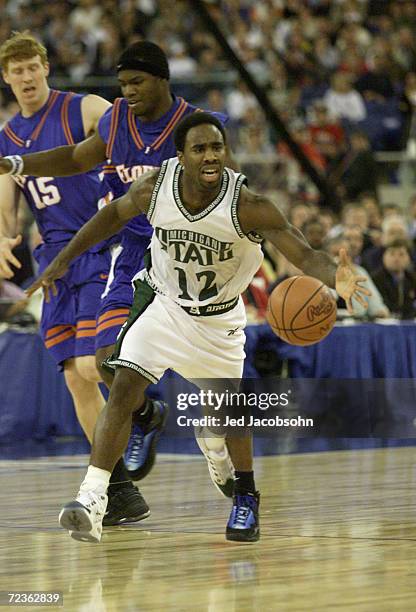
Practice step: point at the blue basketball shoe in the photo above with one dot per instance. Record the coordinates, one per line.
(243, 524)
(140, 454)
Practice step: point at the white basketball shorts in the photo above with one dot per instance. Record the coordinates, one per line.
(159, 334)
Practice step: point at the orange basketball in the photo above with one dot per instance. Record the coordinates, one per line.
(301, 310)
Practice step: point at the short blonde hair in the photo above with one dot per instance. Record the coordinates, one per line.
(21, 46)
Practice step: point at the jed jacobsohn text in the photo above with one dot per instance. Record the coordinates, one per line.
(229, 399)
(243, 421)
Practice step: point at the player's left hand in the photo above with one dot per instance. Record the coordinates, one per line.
(347, 282)
(46, 280)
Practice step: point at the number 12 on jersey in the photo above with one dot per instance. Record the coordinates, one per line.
(208, 290)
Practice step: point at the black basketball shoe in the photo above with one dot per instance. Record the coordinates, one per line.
(125, 506)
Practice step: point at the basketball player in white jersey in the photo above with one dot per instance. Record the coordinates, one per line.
(204, 252)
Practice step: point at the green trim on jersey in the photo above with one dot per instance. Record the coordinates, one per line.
(176, 196)
(156, 189)
(252, 236)
(234, 217)
(143, 297)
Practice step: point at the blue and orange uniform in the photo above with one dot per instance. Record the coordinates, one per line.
(61, 206)
(133, 148)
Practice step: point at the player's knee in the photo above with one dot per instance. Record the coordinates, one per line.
(127, 390)
(74, 381)
(87, 369)
(100, 356)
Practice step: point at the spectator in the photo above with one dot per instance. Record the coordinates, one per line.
(180, 64)
(376, 308)
(407, 106)
(404, 48)
(328, 219)
(393, 228)
(86, 16)
(371, 205)
(303, 137)
(343, 100)
(215, 101)
(326, 56)
(353, 235)
(314, 232)
(376, 85)
(353, 214)
(391, 209)
(396, 281)
(357, 172)
(326, 134)
(299, 214)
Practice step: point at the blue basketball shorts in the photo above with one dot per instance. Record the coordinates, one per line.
(127, 260)
(68, 321)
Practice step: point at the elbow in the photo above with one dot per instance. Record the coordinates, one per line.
(306, 260)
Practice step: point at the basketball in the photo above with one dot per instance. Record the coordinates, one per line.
(301, 310)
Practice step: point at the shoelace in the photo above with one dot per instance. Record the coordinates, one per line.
(215, 471)
(92, 501)
(135, 444)
(242, 515)
(243, 510)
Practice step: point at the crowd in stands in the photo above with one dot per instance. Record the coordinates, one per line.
(381, 242)
(340, 73)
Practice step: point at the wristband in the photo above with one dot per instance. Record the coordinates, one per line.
(17, 164)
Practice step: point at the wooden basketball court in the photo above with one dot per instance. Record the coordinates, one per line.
(338, 532)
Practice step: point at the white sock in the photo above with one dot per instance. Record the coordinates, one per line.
(96, 478)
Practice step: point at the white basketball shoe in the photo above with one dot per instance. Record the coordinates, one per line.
(84, 517)
(220, 466)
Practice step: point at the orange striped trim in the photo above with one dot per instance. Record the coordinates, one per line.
(60, 338)
(85, 333)
(113, 127)
(133, 129)
(55, 330)
(111, 323)
(109, 167)
(13, 137)
(51, 103)
(113, 313)
(65, 118)
(171, 125)
(87, 323)
(109, 171)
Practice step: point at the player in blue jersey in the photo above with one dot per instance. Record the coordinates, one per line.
(61, 206)
(134, 136)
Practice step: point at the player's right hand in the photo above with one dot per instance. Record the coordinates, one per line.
(5, 165)
(6, 256)
(56, 269)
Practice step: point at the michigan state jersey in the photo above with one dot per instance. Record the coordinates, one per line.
(199, 259)
(60, 205)
(135, 146)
